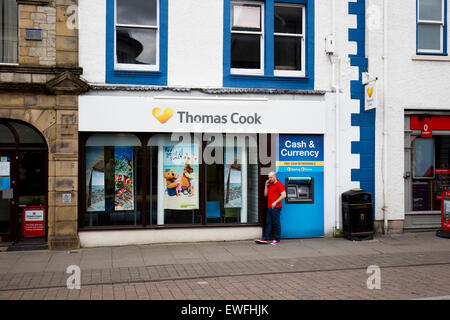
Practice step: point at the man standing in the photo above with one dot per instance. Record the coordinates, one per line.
(275, 192)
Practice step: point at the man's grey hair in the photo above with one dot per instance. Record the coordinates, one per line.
(272, 173)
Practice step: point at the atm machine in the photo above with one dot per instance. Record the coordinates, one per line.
(299, 190)
(300, 164)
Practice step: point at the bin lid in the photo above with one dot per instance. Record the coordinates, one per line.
(357, 196)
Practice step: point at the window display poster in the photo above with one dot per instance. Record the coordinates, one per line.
(446, 211)
(4, 183)
(233, 180)
(4, 168)
(123, 179)
(420, 196)
(95, 179)
(442, 181)
(180, 171)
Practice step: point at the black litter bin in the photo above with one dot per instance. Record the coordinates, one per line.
(357, 215)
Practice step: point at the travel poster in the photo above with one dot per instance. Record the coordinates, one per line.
(123, 179)
(232, 180)
(95, 179)
(180, 171)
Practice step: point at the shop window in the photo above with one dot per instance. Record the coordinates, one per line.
(113, 180)
(423, 158)
(187, 179)
(32, 192)
(432, 26)
(6, 137)
(431, 172)
(231, 179)
(175, 177)
(8, 26)
(27, 135)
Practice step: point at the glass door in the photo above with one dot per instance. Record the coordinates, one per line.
(7, 196)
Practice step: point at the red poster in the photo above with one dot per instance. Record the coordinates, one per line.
(33, 222)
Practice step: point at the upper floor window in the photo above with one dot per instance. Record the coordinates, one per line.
(247, 44)
(248, 33)
(8, 31)
(136, 47)
(431, 26)
(269, 44)
(289, 40)
(137, 27)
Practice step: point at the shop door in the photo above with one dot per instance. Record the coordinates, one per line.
(23, 177)
(8, 195)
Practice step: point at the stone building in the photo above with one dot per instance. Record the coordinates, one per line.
(39, 87)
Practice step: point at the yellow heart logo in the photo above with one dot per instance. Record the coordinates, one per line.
(370, 92)
(162, 116)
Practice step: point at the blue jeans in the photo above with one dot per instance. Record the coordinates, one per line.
(273, 221)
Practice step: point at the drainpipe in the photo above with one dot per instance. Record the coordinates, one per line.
(335, 87)
(385, 117)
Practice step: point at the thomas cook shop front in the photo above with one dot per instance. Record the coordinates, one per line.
(158, 169)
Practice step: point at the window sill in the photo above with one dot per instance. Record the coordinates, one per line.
(135, 73)
(430, 57)
(264, 77)
(136, 77)
(431, 213)
(170, 226)
(268, 82)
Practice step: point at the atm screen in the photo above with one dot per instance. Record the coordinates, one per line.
(292, 192)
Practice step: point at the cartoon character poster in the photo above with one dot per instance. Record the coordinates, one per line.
(95, 179)
(233, 180)
(123, 178)
(180, 171)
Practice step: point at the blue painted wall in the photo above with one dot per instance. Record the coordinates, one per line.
(365, 120)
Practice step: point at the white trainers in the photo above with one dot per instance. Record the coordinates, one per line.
(261, 241)
(275, 242)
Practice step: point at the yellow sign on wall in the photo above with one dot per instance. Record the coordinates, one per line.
(370, 96)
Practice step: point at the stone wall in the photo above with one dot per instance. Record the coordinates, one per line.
(42, 90)
(56, 117)
(59, 44)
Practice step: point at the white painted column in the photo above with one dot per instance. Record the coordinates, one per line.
(244, 184)
(161, 189)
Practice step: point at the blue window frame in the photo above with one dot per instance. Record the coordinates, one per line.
(431, 27)
(136, 45)
(266, 71)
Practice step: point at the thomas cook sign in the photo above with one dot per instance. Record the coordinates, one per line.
(149, 114)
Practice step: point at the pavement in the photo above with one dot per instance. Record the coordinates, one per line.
(207, 270)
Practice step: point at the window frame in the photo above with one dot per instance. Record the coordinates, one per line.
(129, 73)
(259, 71)
(443, 30)
(130, 66)
(16, 63)
(302, 36)
(271, 79)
